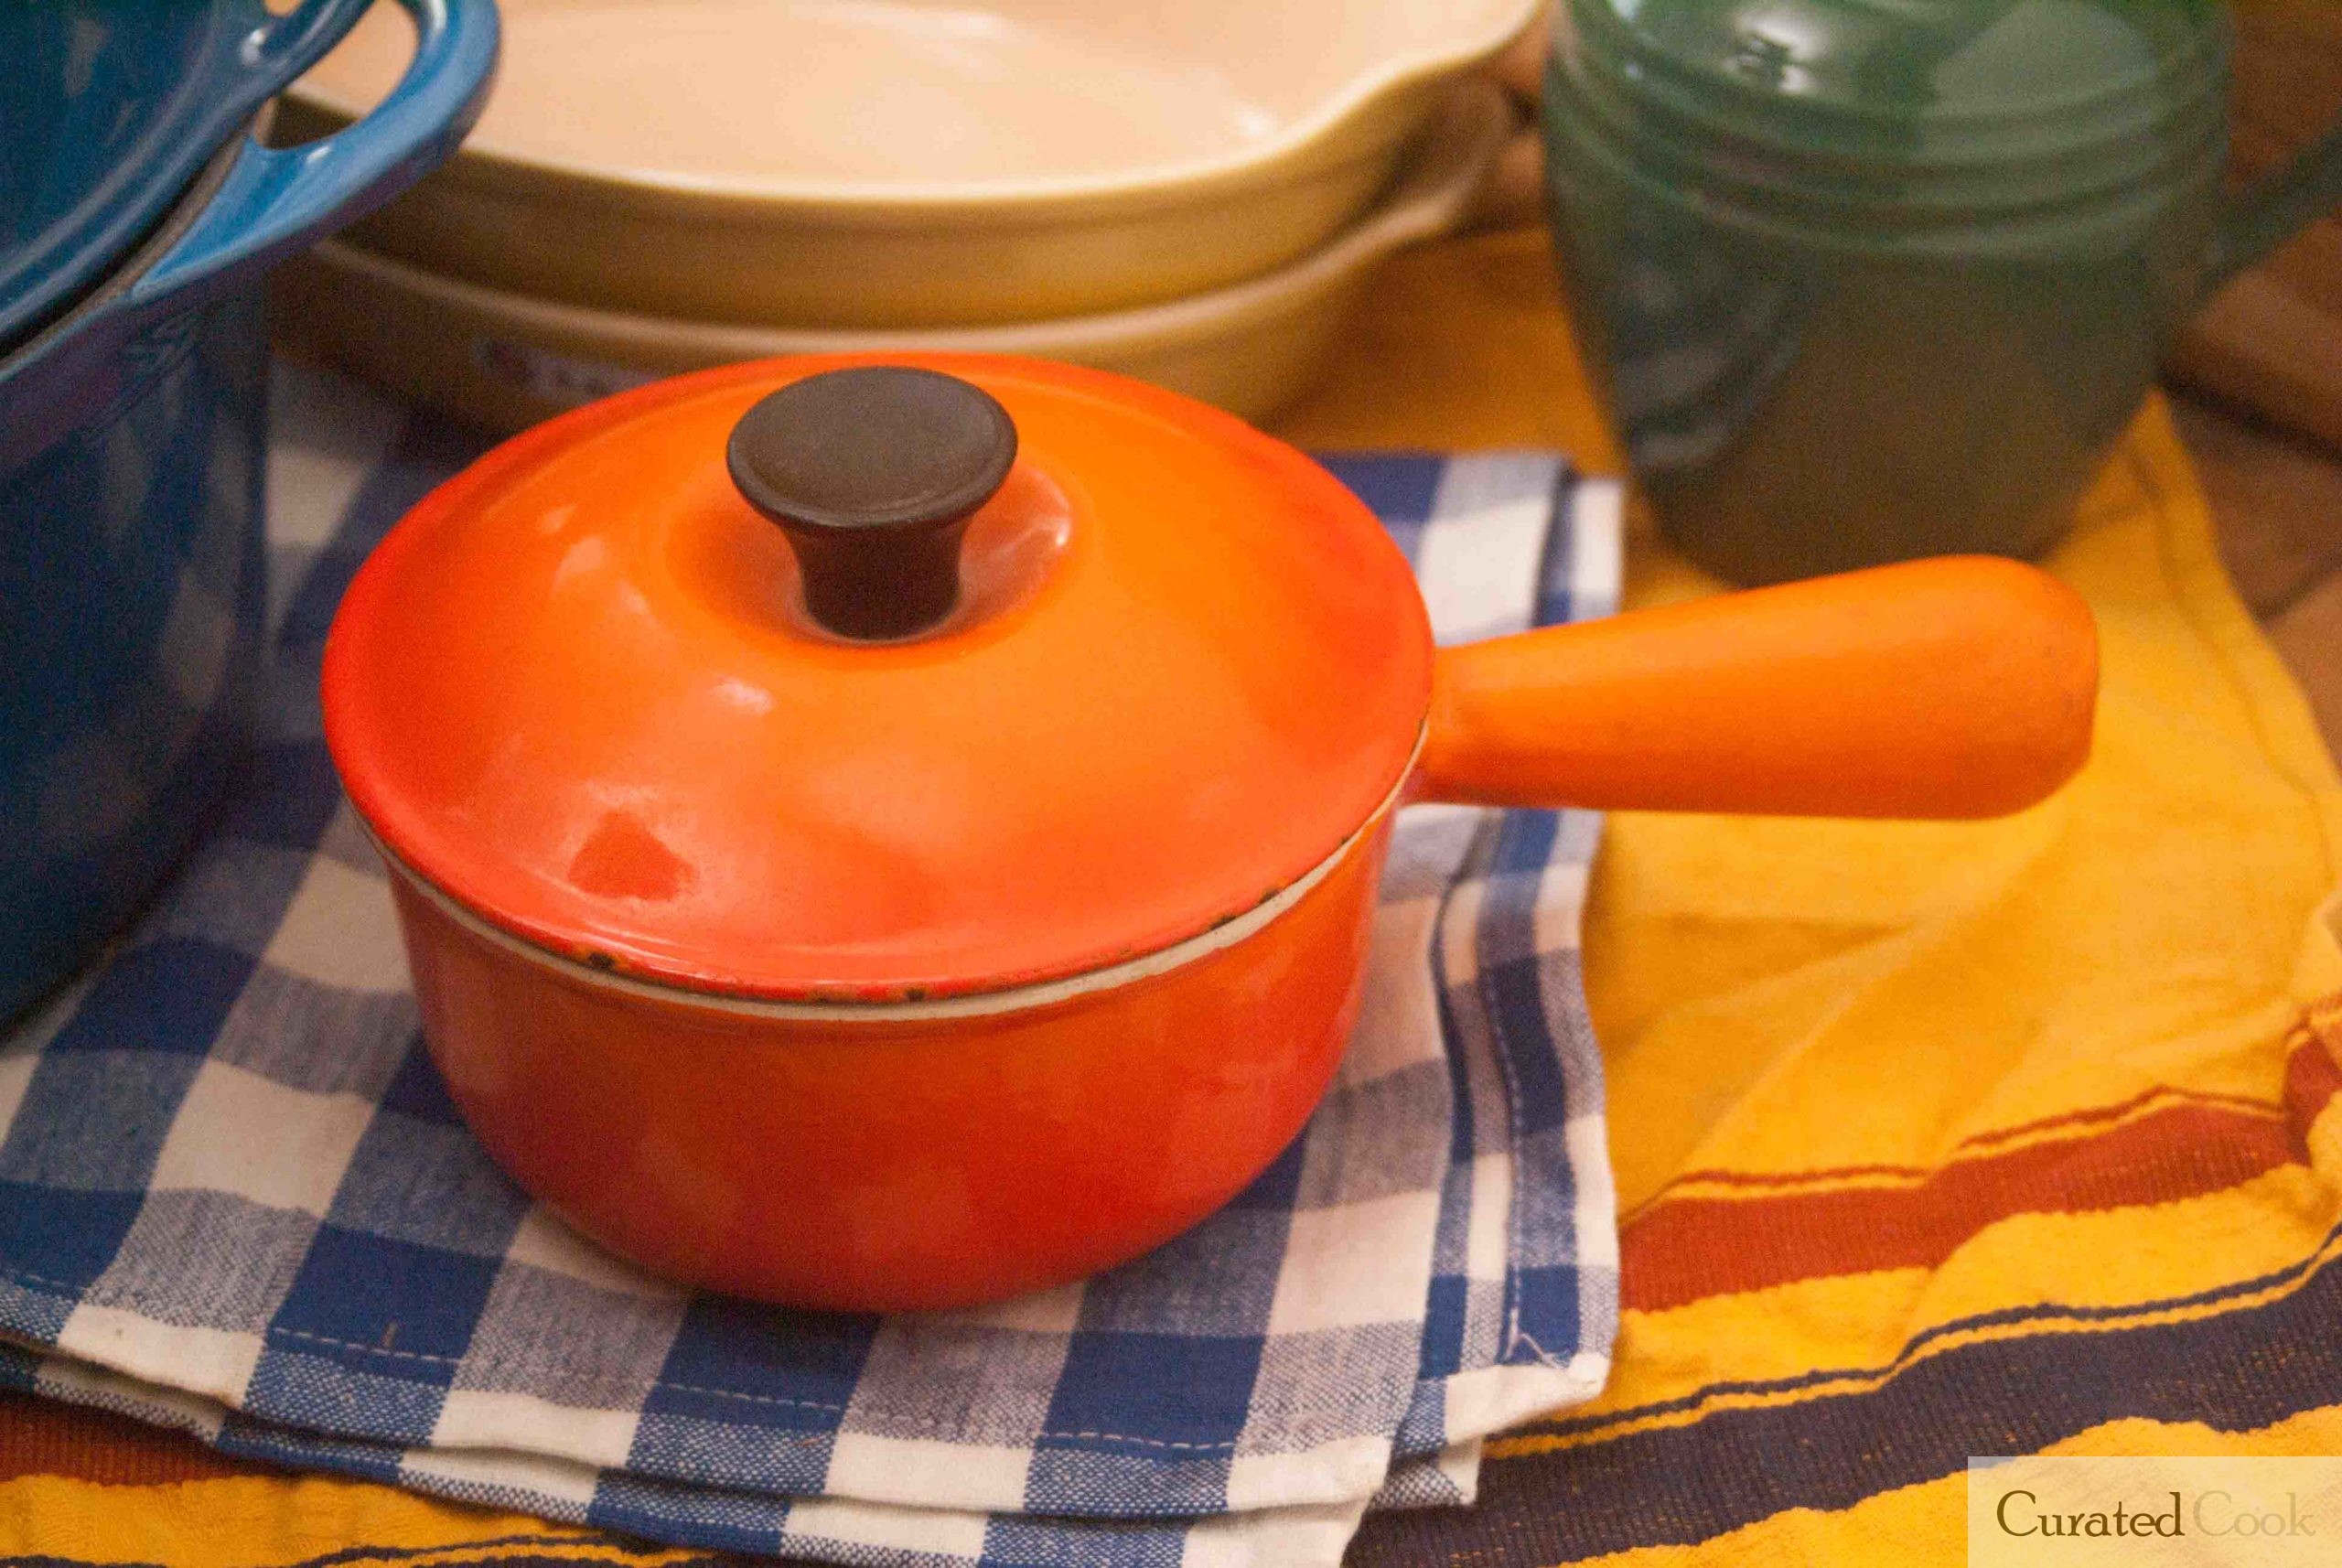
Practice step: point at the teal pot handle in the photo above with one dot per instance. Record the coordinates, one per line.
(2276, 207)
(276, 200)
(281, 48)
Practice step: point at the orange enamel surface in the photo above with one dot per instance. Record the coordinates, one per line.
(570, 690)
(895, 1164)
(1962, 687)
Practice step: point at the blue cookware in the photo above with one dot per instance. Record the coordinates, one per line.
(133, 443)
(113, 105)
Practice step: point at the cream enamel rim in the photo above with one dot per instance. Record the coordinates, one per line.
(1431, 196)
(482, 156)
(978, 1005)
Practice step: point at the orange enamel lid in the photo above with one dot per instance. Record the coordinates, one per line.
(597, 697)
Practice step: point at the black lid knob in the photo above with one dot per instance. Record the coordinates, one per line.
(873, 472)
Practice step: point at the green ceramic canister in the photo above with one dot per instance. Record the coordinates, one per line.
(1865, 280)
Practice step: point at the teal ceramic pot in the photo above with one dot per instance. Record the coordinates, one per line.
(1865, 280)
(112, 106)
(133, 452)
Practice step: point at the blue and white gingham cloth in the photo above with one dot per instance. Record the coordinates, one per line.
(235, 1199)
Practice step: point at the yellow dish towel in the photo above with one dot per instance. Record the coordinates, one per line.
(2002, 1134)
(1943, 1140)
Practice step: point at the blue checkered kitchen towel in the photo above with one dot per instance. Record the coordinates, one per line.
(234, 1197)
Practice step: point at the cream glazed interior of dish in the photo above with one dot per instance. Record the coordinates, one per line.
(879, 97)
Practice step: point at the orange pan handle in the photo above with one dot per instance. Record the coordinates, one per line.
(1959, 687)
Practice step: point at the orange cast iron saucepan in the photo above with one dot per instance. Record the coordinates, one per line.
(965, 884)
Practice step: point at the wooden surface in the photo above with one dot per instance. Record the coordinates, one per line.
(2273, 340)
(2278, 499)
(2272, 347)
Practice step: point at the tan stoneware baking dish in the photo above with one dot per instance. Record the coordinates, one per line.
(504, 361)
(899, 163)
